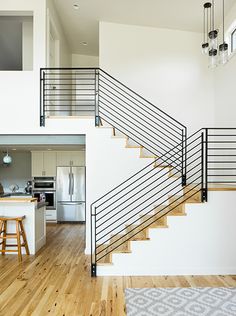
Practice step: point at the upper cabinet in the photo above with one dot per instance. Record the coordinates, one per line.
(44, 164)
(71, 158)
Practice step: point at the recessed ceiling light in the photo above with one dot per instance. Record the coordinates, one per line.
(76, 7)
(84, 43)
(13, 148)
(49, 148)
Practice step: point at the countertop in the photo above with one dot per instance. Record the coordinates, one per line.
(41, 204)
(15, 194)
(18, 200)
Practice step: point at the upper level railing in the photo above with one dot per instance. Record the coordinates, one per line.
(93, 92)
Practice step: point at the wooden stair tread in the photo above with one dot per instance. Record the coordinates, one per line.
(154, 220)
(135, 233)
(170, 210)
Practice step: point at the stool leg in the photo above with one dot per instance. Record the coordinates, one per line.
(4, 225)
(18, 241)
(24, 238)
(1, 234)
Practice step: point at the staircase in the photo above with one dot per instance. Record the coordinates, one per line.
(182, 168)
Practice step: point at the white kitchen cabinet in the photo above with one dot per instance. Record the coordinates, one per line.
(50, 163)
(44, 164)
(37, 164)
(51, 215)
(70, 158)
(63, 158)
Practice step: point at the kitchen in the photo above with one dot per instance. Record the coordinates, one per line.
(48, 169)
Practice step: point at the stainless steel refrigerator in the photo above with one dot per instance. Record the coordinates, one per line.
(71, 194)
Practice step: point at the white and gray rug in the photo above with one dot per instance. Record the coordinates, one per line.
(181, 302)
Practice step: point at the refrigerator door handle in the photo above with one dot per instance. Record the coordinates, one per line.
(69, 178)
(73, 184)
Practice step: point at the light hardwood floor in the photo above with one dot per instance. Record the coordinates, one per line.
(57, 281)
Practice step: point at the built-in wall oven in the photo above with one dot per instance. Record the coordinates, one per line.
(47, 196)
(44, 189)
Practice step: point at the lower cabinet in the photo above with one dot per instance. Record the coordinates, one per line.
(51, 215)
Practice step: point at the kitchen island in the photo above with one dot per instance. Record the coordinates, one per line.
(34, 222)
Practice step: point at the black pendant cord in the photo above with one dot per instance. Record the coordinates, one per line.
(223, 21)
(204, 24)
(213, 15)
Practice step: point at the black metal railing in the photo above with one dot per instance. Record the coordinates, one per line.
(93, 92)
(154, 192)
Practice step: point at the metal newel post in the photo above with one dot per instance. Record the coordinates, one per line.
(206, 166)
(93, 246)
(183, 162)
(97, 118)
(42, 98)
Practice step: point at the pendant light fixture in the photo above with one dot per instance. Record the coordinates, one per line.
(210, 36)
(213, 38)
(223, 48)
(206, 15)
(7, 160)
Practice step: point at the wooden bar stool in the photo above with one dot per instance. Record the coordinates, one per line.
(20, 232)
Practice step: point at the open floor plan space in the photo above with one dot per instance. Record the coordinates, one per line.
(57, 280)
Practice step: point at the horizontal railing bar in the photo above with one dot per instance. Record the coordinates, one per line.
(84, 89)
(222, 175)
(221, 142)
(68, 111)
(141, 107)
(222, 135)
(141, 97)
(69, 94)
(69, 68)
(220, 128)
(137, 110)
(67, 100)
(221, 181)
(221, 161)
(223, 148)
(139, 127)
(221, 168)
(71, 79)
(69, 84)
(221, 155)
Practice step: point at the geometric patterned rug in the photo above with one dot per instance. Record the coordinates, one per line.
(181, 302)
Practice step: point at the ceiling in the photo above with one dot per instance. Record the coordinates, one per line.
(82, 25)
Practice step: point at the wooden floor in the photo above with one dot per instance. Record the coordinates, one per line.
(57, 281)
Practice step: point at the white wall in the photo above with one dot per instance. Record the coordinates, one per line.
(197, 244)
(164, 66)
(64, 49)
(84, 61)
(19, 90)
(225, 101)
(27, 45)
